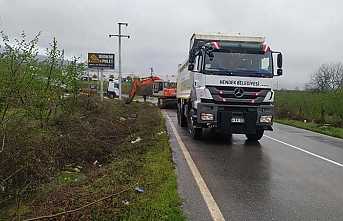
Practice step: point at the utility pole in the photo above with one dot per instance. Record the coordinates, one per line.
(119, 35)
(151, 71)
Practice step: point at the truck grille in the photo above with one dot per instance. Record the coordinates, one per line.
(238, 95)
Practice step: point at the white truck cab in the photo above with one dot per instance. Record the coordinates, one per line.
(226, 83)
(113, 88)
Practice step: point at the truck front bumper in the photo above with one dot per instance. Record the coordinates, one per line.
(223, 114)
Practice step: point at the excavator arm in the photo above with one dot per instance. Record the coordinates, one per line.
(136, 84)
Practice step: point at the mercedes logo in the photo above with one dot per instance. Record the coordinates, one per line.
(238, 92)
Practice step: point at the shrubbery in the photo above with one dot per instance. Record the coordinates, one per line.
(34, 95)
(37, 89)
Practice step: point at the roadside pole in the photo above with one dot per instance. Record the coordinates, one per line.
(98, 81)
(119, 62)
(119, 52)
(102, 85)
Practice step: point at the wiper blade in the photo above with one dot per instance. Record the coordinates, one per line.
(217, 71)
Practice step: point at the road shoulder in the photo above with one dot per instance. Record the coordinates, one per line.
(187, 187)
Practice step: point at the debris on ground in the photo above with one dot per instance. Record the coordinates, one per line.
(138, 139)
(96, 163)
(66, 95)
(161, 132)
(125, 202)
(132, 117)
(77, 170)
(139, 189)
(122, 119)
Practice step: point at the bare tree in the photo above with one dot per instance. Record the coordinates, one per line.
(328, 77)
(338, 76)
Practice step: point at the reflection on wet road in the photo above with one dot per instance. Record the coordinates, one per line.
(264, 180)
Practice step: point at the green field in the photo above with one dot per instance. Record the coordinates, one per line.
(317, 107)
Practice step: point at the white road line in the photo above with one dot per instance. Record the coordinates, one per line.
(308, 152)
(205, 192)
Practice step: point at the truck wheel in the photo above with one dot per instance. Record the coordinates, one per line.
(181, 120)
(195, 132)
(227, 136)
(160, 103)
(255, 137)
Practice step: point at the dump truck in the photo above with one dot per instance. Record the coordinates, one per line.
(226, 83)
(165, 92)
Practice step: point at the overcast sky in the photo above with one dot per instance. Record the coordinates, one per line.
(307, 32)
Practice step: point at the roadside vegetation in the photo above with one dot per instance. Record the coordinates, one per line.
(72, 155)
(319, 107)
(319, 128)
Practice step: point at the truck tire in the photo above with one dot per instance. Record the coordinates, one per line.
(161, 103)
(255, 137)
(195, 132)
(227, 136)
(181, 119)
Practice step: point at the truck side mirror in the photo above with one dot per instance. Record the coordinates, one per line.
(190, 66)
(279, 72)
(279, 60)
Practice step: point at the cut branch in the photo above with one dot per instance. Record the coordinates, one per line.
(82, 207)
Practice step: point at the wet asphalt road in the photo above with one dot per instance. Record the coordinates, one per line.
(266, 180)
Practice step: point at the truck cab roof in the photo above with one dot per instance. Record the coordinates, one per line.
(196, 37)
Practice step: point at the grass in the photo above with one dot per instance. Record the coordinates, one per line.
(122, 165)
(323, 129)
(318, 107)
(323, 111)
(161, 203)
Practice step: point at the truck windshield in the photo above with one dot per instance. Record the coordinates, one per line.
(240, 64)
(115, 85)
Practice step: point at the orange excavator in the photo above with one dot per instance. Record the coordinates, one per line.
(164, 91)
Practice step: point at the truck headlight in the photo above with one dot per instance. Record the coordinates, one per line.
(203, 93)
(269, 97)
(207, 116)
(266, 119)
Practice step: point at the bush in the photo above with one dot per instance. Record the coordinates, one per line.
(32, 97)
(38, 88)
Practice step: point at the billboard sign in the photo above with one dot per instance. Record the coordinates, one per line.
(101, 60)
